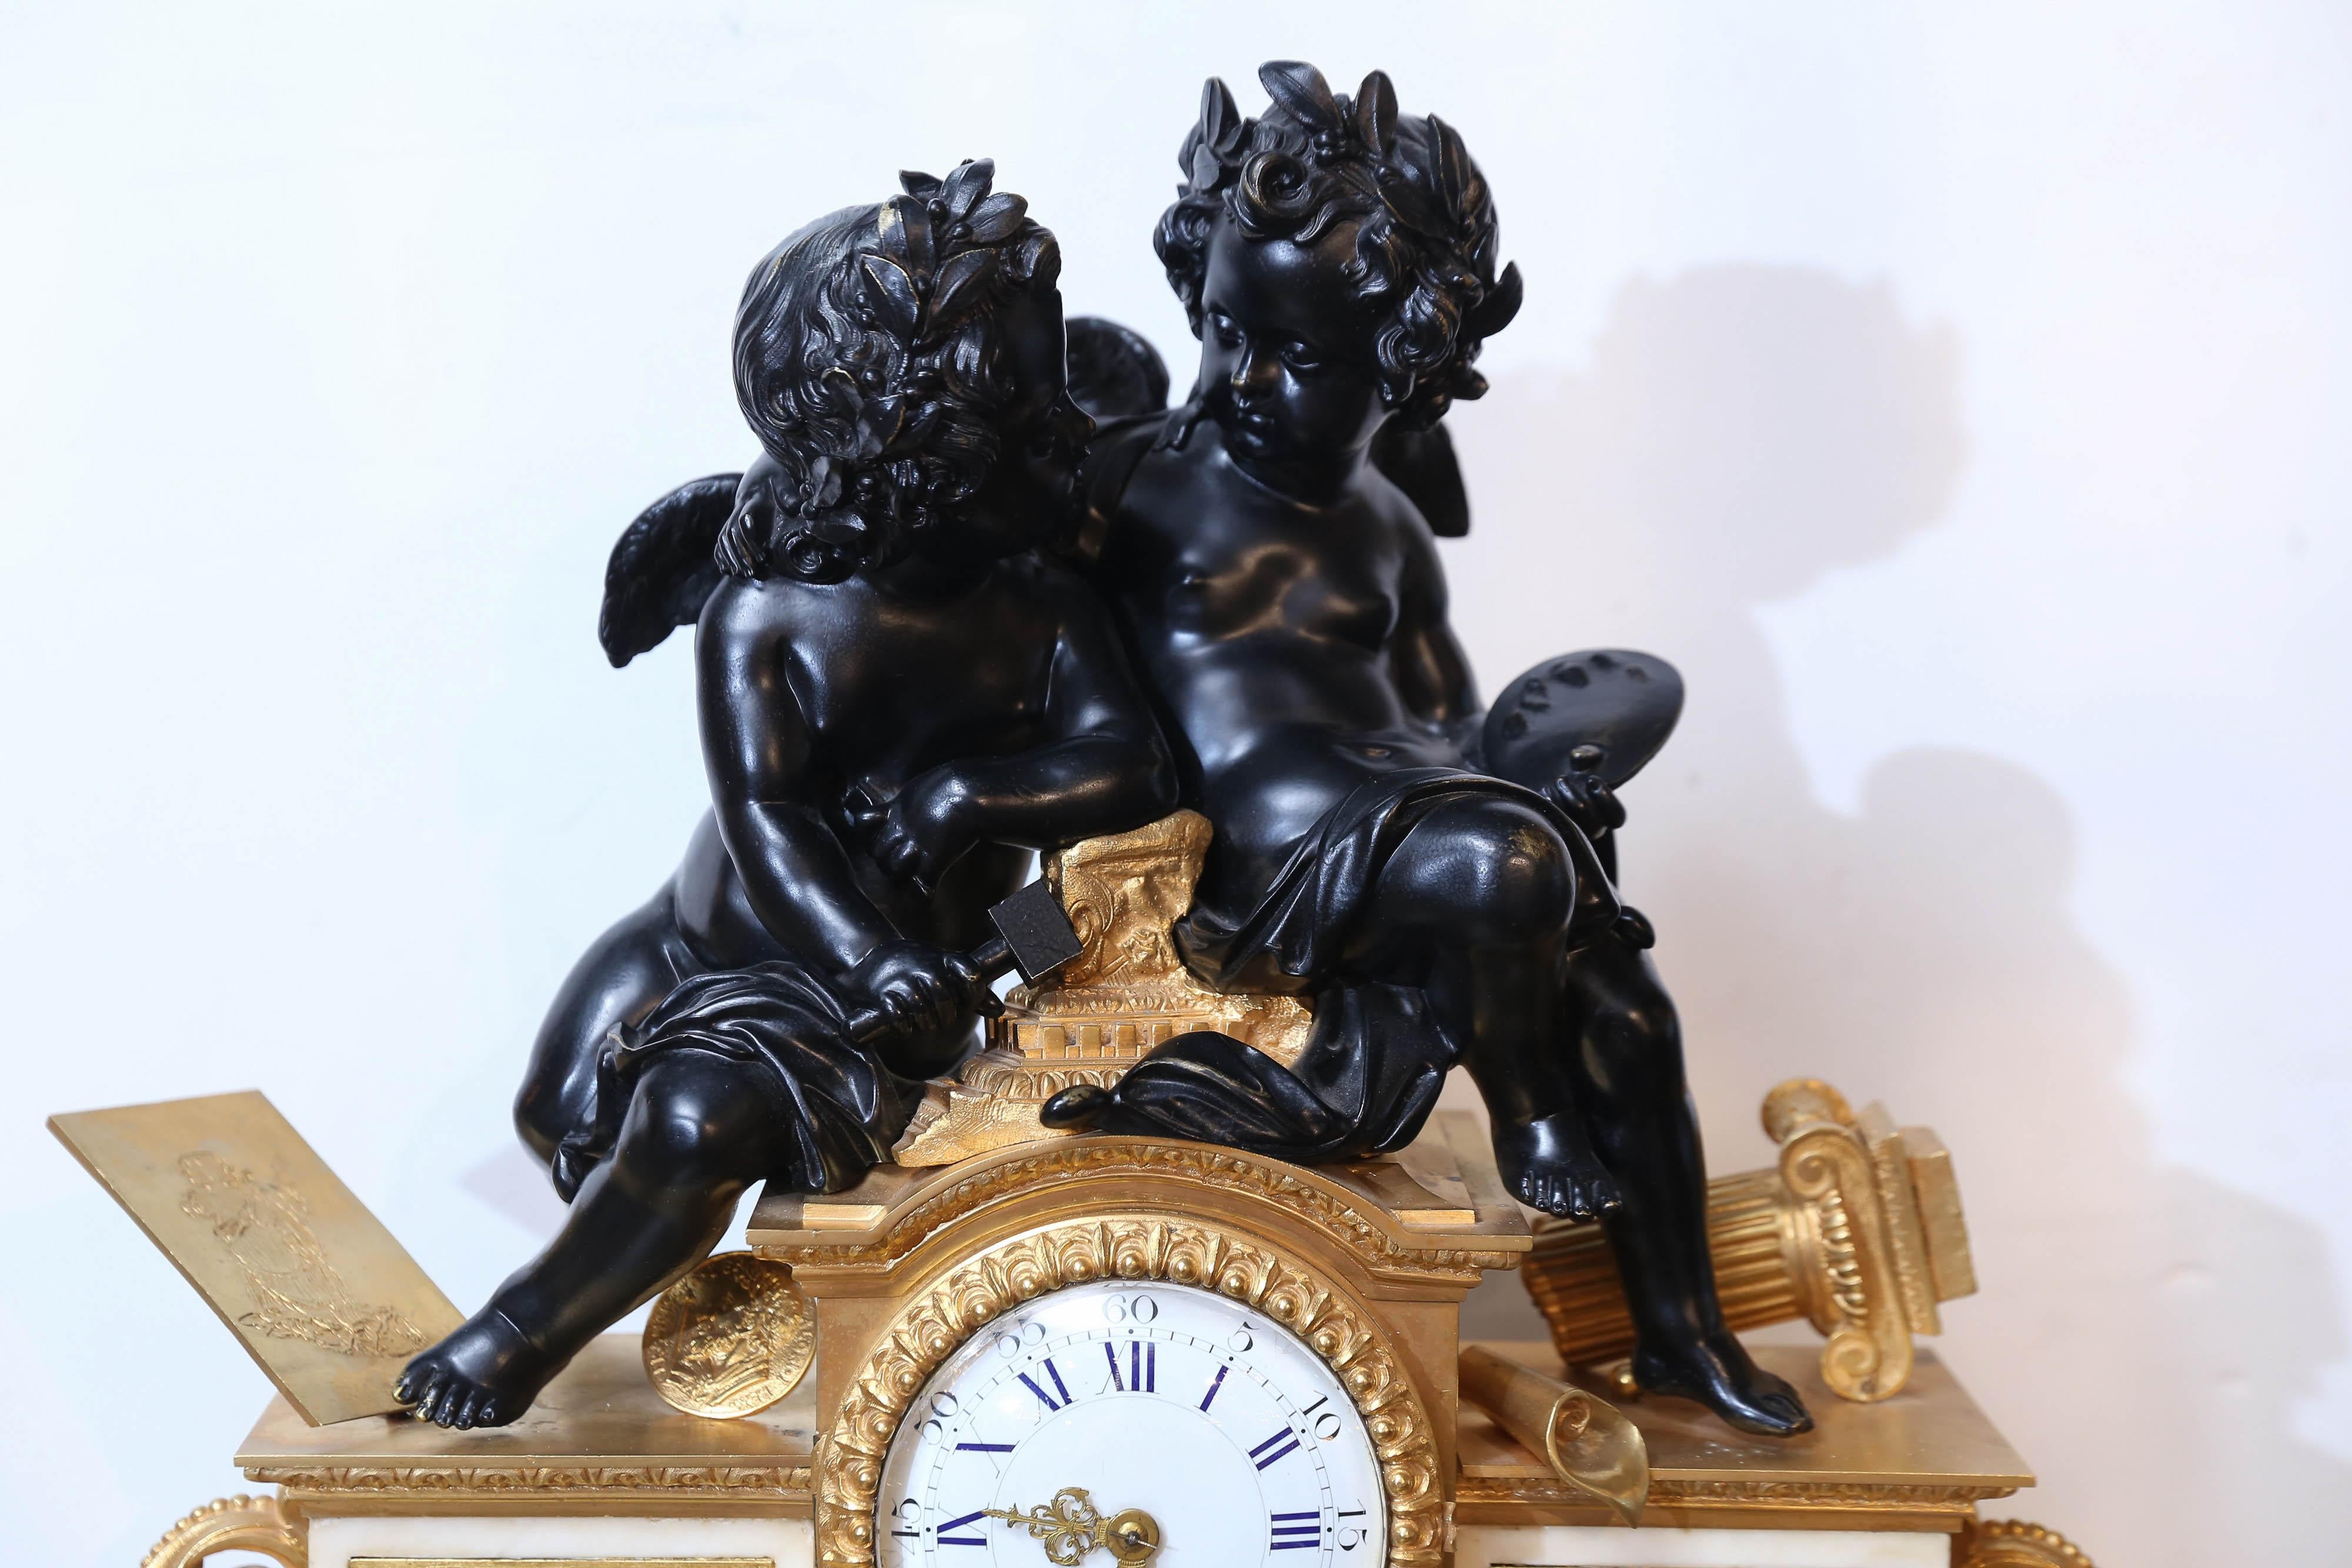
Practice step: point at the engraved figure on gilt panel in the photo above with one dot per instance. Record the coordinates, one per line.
(1435, 880)
(297, 1294)
(899, 702)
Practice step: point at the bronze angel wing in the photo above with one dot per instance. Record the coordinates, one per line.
(661, 569)
(1114, 373)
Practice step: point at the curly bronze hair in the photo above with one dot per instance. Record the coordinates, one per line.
(1425, 238)
(866, 359)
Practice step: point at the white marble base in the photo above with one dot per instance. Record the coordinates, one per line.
(783, 1542)
(1578, 1546)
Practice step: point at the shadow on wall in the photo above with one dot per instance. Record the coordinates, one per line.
(516, 1186)
(1742, 432)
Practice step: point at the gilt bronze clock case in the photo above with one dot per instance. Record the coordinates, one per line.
(1366, 1264)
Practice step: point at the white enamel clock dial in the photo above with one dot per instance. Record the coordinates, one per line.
(1223, 1428)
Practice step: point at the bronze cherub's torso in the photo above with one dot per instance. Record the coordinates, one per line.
(884, 687)
(1284, 640)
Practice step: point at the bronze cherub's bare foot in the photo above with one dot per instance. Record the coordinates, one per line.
(484, 1375)
(1715, 1370)
(1548, 1164)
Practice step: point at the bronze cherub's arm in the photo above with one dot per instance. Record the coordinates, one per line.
(1425, 659)
(770, 807)
(1107, 768)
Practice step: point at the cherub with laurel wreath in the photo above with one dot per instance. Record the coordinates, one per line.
(899, 700)
(1438, 890)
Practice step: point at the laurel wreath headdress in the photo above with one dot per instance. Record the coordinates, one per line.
(893, 428)
(1320, 156)
(937, 261)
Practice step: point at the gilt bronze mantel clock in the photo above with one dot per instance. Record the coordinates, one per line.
(1249, 1357)
(1106, 1213)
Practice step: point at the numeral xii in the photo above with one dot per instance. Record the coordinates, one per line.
(1142, 1368)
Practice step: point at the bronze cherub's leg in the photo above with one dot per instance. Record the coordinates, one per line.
(699, 1130)
(1627, 1056)
(620, 977)
(1483, 890)
(1470, 910)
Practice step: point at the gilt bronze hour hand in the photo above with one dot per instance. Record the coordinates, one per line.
(1072, 1527)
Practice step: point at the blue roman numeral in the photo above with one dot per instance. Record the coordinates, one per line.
(1293, 1534)
(1041, 1394)
(1059, 1386)
(984, 1447)
(1284, 1437)
(1214, 1384)
(947, 1540)
(1142, 1368)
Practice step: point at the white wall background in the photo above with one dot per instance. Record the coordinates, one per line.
(1958, 393)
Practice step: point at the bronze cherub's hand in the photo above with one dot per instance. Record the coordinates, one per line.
(1586, 799)
(921, 831)
(1589, 803)
(922, 987)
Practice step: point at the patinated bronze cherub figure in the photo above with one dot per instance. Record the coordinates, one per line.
(1338, 263)
(899, 700)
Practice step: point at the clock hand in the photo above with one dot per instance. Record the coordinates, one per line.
(1066, 1526)
(1071, 1527)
